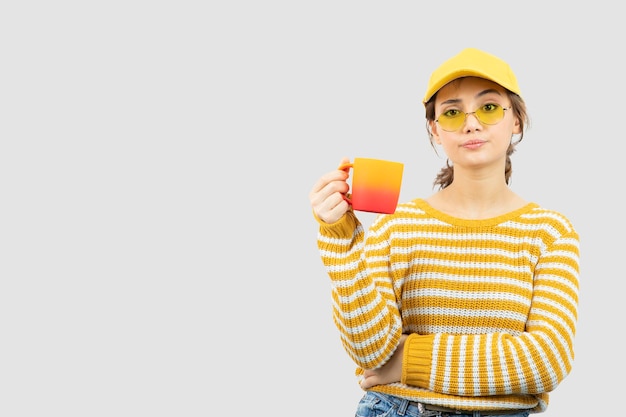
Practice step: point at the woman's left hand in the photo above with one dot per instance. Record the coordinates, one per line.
(389, 372)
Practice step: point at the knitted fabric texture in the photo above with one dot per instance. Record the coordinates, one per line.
(490, 305)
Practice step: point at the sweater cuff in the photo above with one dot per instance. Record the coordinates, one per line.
(342, 228)
(417, 360)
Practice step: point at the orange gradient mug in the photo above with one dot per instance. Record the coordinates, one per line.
(375, 185)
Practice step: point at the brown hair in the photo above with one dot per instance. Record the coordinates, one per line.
(446, 174)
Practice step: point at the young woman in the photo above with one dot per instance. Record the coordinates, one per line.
(463, 303)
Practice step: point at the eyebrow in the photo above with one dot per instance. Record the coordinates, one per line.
(482, 93)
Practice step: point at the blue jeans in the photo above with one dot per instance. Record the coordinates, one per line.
(375, 404)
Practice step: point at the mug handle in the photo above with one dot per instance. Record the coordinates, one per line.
(346, 167)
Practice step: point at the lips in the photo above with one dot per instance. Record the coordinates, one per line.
(473, 143)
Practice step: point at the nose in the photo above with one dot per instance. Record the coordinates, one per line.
(471, 121)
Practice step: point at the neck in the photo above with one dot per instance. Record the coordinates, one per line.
(472, 199)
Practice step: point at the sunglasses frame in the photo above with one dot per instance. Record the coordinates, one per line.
(504, 109)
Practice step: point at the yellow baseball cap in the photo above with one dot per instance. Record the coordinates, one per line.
(472, 62)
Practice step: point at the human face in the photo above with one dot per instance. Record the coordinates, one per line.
(474, 143)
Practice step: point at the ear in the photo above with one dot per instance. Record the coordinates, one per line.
(516, 127)
(433, 130)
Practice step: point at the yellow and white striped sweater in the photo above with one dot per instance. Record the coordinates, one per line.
(490, 305)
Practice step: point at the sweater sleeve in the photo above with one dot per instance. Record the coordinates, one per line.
(532, 362)
(364, 305)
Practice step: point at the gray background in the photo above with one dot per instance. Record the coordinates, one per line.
(158, 250)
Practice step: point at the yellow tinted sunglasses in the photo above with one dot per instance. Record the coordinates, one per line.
(489, 114)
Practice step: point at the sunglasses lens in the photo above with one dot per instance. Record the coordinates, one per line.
(490, 114)
(451, 120)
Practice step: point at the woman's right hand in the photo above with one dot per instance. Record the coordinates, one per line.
(327, 195)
